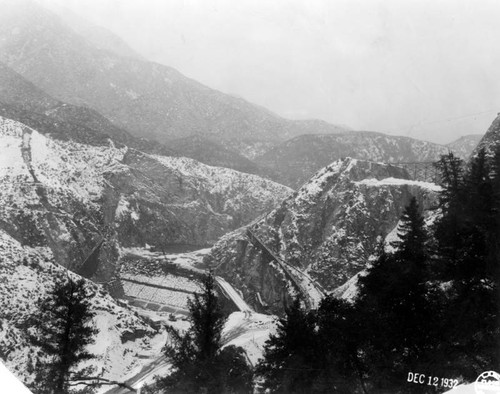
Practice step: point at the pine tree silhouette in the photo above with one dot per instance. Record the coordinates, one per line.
(290, 361)
(468, 238)
(395, 306)
(63, 332)
(200, 363)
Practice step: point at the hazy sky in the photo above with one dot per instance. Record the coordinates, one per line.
(425, 69)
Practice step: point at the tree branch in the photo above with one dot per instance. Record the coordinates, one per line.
(97, 381)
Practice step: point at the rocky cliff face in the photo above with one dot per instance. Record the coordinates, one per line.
(328, 229)
(83, 200)
(179, 200)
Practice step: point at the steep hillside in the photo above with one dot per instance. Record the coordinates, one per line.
(209, 152)
(491, 139)
(129, 344)
(71, 197)
(16, 90)
(326, 232)
(125, 342)
(178, 200)
(296, 160)
(464, 146)
(21, 100)
(97, 36)
(147, 99)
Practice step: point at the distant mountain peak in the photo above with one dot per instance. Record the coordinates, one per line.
(145, 98)
(97, 36)
(326, 231)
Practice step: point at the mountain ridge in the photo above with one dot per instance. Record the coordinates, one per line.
(71, 196)
(328, 229)
(147, 99)
(297, 159)
(465, 145)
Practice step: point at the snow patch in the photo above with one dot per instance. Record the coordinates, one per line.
(372, 182)
(249, 331)
(11, 160)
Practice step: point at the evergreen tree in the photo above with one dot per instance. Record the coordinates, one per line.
(233, 369)
(412, 237)
(63, 331)
(338, 327)
(482, 209)
(468, 237)
(469, 221)
(291, 363)
(199, 362)
(426, 308)
(452, 196)
(207, 320)
(315, 351)
(451, 169)
(395, 306)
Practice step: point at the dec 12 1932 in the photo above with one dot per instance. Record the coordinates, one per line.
(420, 378)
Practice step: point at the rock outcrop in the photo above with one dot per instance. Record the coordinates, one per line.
(83, 201)
(328, 229)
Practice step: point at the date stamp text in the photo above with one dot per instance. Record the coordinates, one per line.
(420, 378)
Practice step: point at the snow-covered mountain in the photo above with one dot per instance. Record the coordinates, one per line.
(128, 347)
(299, 158)
(76, 197)
(147, 99)
(86, 191)
(212, 153)
(326, 232)
(183, 201)
(71, 206)
(21, 100)
(125, 343)
(107, 90)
